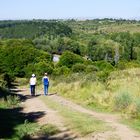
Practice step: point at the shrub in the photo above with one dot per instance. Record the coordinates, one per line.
(78, 67)
(135, 110)
(61, 71)
(121, 65)
(133, 64)
(137, 103)
(12, 100)
(103, 75)
(68, 59)
(104, 65)
(2, 81)
(8, 78)
(29, 130)
(17, 54)
(104, 69)
(91, 68)
(26, 130)
(122, 101)
(42, 67)
(49, 129)
(30, 68)
(9, 101)
(39, 68)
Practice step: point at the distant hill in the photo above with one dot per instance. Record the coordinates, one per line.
(104, 26)
(32, 29)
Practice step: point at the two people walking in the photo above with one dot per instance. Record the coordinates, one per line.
(33, 81)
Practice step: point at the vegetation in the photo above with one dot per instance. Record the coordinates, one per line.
(80, 122)
(14, 124)
(98, 67)
(32, 29)
(31, 130)
(34, 49)
(118, 93)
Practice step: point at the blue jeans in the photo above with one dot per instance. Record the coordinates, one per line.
(32, 87)
(46, 89)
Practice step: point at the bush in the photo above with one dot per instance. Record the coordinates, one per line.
(91, 68)
(135, 109)
(39, 68)
(29, 69)
(122, 101)
(103, 75)
(61, 71)
(17, 54)
(8, 78)
(28, 130)
(9, 101)
(12, 100)
(49, 129)
(104, 69)
(68, 59)
(103, 65)
(121, 65)
(42, 67)
(2, 81)
(137, 103)
(78, 67)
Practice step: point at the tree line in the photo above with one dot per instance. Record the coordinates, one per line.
(28, 46)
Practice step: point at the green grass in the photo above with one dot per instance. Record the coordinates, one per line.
(10, 101)
(133, 28)
(25, 130)
(101, 95)
(119, 94)
(29, 130)
(92, 95)
(80, 122)
(14, 124)
(133, 123)
(104, 97)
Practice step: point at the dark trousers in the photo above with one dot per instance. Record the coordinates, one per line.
(32, 87)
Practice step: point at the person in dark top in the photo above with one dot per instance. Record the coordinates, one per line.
(45, 81)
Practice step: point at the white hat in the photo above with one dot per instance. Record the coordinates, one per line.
(33, 75)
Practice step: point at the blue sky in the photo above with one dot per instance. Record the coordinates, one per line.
(67, 9)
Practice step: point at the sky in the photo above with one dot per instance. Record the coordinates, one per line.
(69, 9)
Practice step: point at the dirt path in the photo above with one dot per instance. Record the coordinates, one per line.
(50, 116)
(119, 132)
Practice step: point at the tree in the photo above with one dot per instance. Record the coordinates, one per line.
(17, 55)
(104, 49)
(69, 59)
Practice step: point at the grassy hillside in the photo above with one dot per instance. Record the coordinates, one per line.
(132, 28)
(120, 93)
(104, 25)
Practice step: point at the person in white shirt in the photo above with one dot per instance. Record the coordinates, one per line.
(33, 84)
